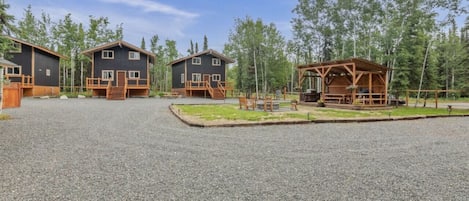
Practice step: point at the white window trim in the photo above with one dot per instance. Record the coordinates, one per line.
(194, 59)
(137, 57)
(216, 75)
(103, 72)
(103, 56)
(183, 78)
(13, 67)
(216, 62)
(132, 74)
(16, 47)
(196, 75)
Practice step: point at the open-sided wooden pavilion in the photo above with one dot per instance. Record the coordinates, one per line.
(352, 82)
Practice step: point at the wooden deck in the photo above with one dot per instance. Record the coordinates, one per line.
(219, 92)
(26, 81)
(100, 87)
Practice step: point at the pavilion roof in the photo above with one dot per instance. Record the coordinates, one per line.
(360, 65)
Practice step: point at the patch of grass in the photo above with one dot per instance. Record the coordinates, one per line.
(227, 111)
(347, 113)
(232, 112)
(4, 117)
(300, 116)
(409, 111)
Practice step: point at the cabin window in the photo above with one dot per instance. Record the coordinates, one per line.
(107, 75)
(47, 72)
(16, 47)
(13, 70)
(196, 77)
(183, 79)
(216, 62)
(216, 77)
(196, 61)
(134, 74)
(134, 55)
(107, 54)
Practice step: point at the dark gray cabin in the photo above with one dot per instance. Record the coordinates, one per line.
(37, 70)
(200, 73)
(119, 70)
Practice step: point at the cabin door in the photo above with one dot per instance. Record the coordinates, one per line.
(120, 78)
(207, 78)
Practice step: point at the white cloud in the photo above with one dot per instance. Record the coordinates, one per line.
(152, 6)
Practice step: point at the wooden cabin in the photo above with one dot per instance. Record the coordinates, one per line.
(350, 82)
(201, 74)
(37, 71)
(119, 70)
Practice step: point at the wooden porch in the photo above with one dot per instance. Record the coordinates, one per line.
(118, 91)
(219, 92)
(355, 82)
(25, 81)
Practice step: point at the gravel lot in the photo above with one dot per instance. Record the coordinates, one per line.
(93, 149)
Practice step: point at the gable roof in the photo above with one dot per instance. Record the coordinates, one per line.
(209, 51)
(89, 52)
(36, 46)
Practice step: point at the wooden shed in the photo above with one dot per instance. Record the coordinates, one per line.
(354, 81)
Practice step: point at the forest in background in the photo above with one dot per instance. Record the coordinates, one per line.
(407, 36)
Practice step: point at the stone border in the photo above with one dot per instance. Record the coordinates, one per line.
(266, 123)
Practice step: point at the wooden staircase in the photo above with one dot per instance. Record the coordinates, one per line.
(116, 93)
(217, 94)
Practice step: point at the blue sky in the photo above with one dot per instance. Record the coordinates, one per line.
(180, 20)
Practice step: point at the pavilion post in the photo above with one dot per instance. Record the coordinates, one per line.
(386, 88)
(323, 85)
(370, 88)
(354, 81)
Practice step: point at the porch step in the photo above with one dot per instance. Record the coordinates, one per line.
(116, 93)
(217, 94)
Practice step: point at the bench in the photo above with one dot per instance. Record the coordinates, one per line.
(247, 103)
(339, 98)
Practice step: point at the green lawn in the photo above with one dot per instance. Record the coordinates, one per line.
(232, 112)
(4, 117)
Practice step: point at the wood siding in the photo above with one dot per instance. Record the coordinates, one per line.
(44, 61)
(23, 59)
(206, 67)
(177, 70)
(120, 62)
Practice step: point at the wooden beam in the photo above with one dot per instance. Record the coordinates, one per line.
(370, 86)
(380, 76)
(358, 78)
(354, 80)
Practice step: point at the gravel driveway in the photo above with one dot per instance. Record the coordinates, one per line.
(93, 149)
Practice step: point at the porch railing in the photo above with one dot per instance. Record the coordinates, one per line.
(189, 85)
(97, 83)
(26, 81)
(137, 82)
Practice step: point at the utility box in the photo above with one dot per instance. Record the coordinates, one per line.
(11, 96)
